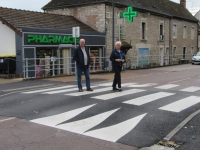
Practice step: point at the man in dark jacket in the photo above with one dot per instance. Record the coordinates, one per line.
(82, 58)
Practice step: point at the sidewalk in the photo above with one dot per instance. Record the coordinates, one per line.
(5, 81)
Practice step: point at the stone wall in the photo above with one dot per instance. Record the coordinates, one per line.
(93, 15)
(187, 42)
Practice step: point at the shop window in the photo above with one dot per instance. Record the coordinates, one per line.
(96, 58)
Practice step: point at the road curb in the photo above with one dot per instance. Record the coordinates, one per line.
(157, 147)
(181, 125)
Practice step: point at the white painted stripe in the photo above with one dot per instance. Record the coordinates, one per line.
(52, 121)
(61, 91)
(191, 89)
(7, 119)
(83, 125)
(180, 80)
(110, 84)
(143, 85)
(66, 90)
(106, 84)
(148, 98)
(117, 94)
(167, 86)
(182, 104)
(27, 87)
(89, 92)
(50, 89)
(115, 132)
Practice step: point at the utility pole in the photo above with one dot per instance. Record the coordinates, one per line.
(113, 23)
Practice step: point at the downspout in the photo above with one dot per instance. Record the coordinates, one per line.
(105, 48)
(170, 39)
(197, 37)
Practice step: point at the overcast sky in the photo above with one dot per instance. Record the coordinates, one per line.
(36, 5)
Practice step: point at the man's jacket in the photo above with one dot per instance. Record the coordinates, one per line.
(79, 57)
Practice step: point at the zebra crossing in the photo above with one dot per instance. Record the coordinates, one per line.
(133, 88)
(132, 95)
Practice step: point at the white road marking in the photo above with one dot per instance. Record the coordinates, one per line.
(26, 87)
(180, 80)
(142, 85)
(50, 89)
(89, 92)
(52, 121)
(191, 89)
(83, 125)
(148, 98)
(167, 86)
(182, 104)
(115, 132)
(7, 119)
(61, 91)
(65, 90)
(106, 84)
(118, 94)
(110, 84)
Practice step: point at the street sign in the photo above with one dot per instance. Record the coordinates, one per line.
(76, 31)
(129, 14)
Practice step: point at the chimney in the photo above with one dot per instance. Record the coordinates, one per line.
(183, 3)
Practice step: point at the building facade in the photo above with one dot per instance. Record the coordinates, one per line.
(41, 44)
(164, 30)
(197, 15)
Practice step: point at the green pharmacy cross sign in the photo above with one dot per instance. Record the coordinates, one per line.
(129, 14)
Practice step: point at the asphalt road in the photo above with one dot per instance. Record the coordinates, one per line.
(149, 107)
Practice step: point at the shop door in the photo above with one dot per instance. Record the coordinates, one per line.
(161, 56)
(30, 67)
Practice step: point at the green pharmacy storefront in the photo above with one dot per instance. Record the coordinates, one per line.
(49, 52)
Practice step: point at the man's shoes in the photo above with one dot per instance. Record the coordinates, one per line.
(89, 89)
(80, 90)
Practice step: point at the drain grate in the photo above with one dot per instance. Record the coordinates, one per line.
(171, 144)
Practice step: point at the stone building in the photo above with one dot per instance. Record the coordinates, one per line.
(197, 15)
(163, 29)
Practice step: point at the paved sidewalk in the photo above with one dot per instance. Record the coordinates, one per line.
(6, 81)
(19, 134)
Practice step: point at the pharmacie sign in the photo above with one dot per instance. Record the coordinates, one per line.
(47, 39)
